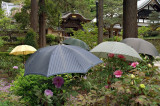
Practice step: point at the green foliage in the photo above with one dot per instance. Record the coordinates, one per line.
(7, 66)
(109, 7)
(5, 22)
(31, 89)
(50, 38)
(23, 17)
(143, 31)
(30, 38)
(20, 40)
(89, 34)
(154, 17)
(1, 42)
(5, 38)
(115, 38)
(113, 11)
(53, 10)
(53, 13)
(10, 100)
(153, 33)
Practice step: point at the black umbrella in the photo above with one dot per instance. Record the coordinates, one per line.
(141, 46)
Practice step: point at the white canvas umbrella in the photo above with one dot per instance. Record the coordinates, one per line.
(103, 49)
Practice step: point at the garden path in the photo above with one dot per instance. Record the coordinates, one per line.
(157, 63)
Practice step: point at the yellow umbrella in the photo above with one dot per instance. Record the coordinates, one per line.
(23, 50)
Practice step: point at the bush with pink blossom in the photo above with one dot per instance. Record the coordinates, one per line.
(122, 82)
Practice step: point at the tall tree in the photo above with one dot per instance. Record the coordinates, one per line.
(34, 15)
(113, 10)
(130, 19)
(23, 17)
(100, 21)
(42, 24)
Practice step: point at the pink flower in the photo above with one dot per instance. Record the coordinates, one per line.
(58, 81)
(106, 86)
(121, 56)
(48, 92)
(85, 77)
(134, 64)
(111, 55)
(137, 63)
(118, 73)
(15, 67)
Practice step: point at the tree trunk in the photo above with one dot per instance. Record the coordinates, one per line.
(130, 19)
(34, 15)
(42, 24)
(111, 31)
(100, 21)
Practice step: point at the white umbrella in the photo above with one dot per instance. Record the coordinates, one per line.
(103, 49)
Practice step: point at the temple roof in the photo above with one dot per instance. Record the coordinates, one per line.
(74, 15)
(142, 3)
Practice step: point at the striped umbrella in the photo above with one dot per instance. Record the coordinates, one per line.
(60, 59)
(103, 49)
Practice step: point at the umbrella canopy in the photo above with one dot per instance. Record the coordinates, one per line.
(116, 48)
(59, 59)
(76, 42)
(23, 50)
(141, 46)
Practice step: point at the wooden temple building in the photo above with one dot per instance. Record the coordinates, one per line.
(72, 21)
(145, 8)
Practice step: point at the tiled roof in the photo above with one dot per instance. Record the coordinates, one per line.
(142, 3)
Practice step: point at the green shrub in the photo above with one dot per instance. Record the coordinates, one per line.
(31, 88)
(30, 38)
(153, 33)
(89, 34)
(115, 38)
(5, 38)
(142, 31)
(8, 99)
(1, 42)
(8, 62)
(50, 38)
(20, 40)
(137, 85)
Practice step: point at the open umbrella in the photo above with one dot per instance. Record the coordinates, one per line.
(59, 59)
(103, 49)
(23, 50)
(141, 46)
(76, 42)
